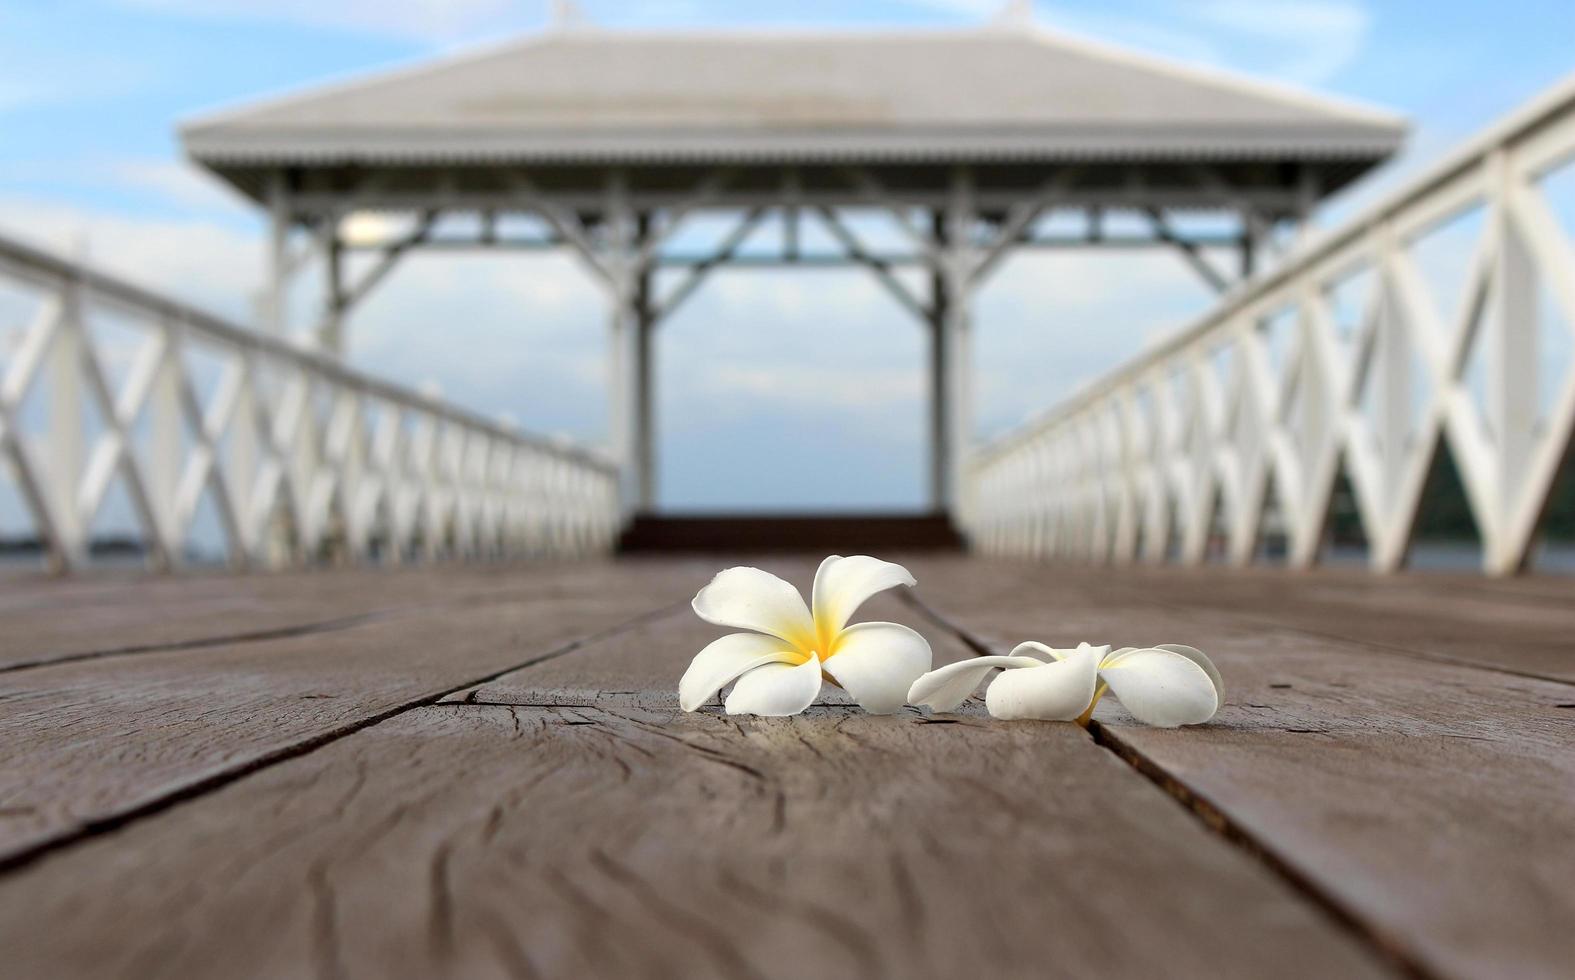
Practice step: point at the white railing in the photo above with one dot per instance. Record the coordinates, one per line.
(1283, 385)
(275, 454)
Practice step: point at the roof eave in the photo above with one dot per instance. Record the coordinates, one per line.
(494, 148)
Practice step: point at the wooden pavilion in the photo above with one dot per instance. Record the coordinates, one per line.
(610, 139)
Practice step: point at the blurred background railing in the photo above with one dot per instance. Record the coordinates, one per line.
(1326, 397)
(228, 444)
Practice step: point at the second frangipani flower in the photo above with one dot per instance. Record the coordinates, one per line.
(778, 666)
(1165, 686)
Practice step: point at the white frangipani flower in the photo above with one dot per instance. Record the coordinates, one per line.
(1166, 686)
(778, 667)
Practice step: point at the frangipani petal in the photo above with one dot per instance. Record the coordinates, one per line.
(724, 660)
(842, 585)
(752, 599)
(1060, 691)
(1163, 688)
(944, 688)
(876, 663)
(1201, 659)
(1041, 652)
(776, 690)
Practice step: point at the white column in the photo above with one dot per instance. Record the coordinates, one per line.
(330, 336)
(628, 351)
(955, 356)
(275, 298)
(645, 388)
(939, 387)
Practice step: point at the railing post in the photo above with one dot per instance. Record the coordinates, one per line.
(65, 440)
(242, 464)
(165, 444)
(1392, 366)
(1512, 381)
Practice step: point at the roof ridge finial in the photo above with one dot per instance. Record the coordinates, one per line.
(1017, 15)
(567, 15)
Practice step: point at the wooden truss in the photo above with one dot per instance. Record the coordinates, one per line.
(955, 238)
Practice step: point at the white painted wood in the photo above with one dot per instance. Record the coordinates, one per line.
(1333, 402)
(281, 268)
(303, 458)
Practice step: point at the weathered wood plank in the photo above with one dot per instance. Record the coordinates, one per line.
(1471, 621)
(45, 622)
(93, 741)
(628, 839)
(1433, 802)
(1523, 629)
(623, 668)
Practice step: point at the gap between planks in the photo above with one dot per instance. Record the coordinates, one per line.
(93, 828)
(317, 627)
(1216, 820)
(198, 643)
(1378, 645)
(1234, 612)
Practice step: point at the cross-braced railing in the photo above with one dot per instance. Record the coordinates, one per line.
(1344, 358)
(300, 457)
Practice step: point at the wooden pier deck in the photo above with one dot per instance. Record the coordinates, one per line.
(483, 772)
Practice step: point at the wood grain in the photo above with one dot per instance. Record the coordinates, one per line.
(647, 663)
(93, 741)
(623, 838)
(1522, 630)
(1523, 626)
(66, 619)
(1433, 802)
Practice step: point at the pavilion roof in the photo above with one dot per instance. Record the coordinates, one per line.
(587, 96)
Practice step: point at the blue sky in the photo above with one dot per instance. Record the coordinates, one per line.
(776, 390)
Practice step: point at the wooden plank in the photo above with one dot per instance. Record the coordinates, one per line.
(618, 668)
(95, 741)
(1431, 802)
(626, 838)
(73, 619)
(1448, 618)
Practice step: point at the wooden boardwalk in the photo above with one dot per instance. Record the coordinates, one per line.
(483, 772)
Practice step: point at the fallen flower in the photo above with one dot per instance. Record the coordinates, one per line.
(778, 667)
(1166, 686)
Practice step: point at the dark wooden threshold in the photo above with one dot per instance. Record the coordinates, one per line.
(819, 533)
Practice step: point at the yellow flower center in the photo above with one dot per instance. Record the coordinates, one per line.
(823, 644)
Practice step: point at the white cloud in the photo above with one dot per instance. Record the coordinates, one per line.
(1305, 42)
(195, 260)
(1309, 40)
(37, 74)
(16, 94)
(180, 183)
(1050, 323)
(424, 20)
(969, 8)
